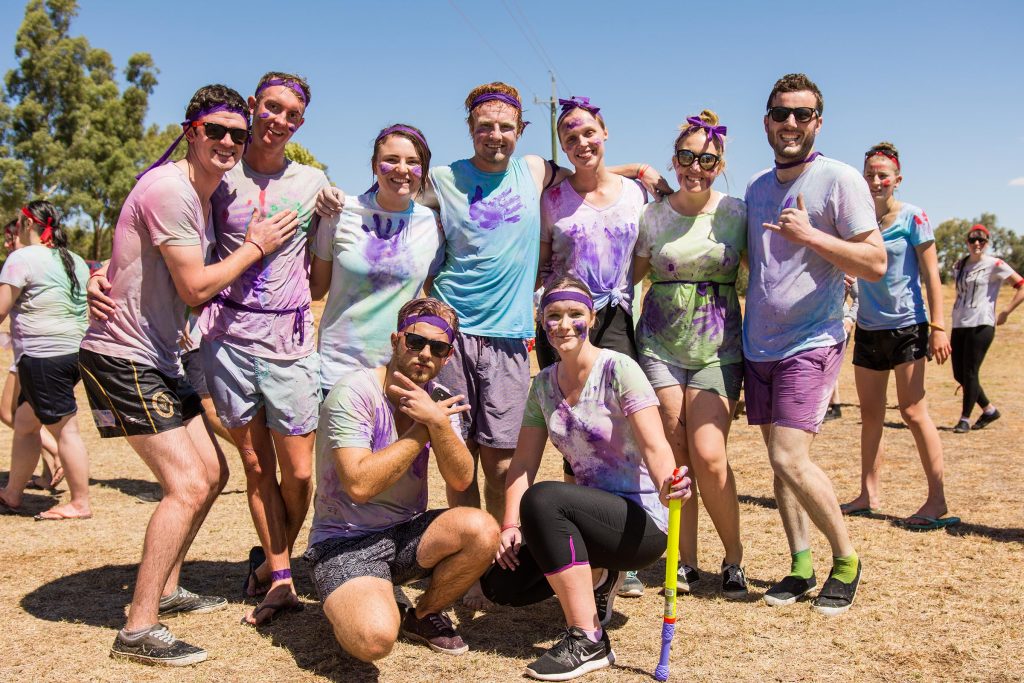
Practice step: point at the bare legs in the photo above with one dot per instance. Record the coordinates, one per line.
(494, 464)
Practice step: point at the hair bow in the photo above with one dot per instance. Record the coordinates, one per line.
(714, 132)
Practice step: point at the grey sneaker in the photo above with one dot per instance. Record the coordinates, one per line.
(157, 645)
(436, 631)
(632, 586)
(183, 600)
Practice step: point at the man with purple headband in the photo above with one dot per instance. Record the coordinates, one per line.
(371, 527)
(129, 357)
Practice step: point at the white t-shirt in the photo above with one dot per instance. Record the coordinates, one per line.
(977, 288)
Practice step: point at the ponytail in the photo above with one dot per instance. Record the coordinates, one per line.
(47, 222)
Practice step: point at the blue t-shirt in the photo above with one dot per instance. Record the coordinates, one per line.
(795, 297)
(895, 301)
(492, 242)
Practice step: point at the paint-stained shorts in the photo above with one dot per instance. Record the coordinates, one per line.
(388, 555)
(724, 380)
(493, 373)
(129, 399)
(240, 384)
(792, 392)
(48, 385)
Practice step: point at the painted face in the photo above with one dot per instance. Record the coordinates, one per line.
(567, 324)
(216, 156)
(494, 126)
(882, 176)
(693, 178)
(582, 139)
(276, 116)
(419, 366)
(399, 170)
(791, 139)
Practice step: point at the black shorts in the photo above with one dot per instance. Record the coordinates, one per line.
(48, 385)
(192, 362)
(129, 399)
(388, 555)
(885, 349)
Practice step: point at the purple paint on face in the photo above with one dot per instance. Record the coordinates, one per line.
(416, 170)
(596, 142)
(386, 168)
(264, 115)
(581, 329)
(574, 123)
(291, 127)
(491, 213)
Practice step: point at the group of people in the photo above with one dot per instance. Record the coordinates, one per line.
(201, 324)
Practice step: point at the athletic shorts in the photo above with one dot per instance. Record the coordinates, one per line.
(129, 399)
(613, 330)
(192, 362)
(493, 373)
(48, 385)
(792, 392)
(885, 349)
(241, 384)
(724, 380)
(388, 555)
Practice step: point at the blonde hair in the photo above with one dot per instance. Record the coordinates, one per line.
(687, 129)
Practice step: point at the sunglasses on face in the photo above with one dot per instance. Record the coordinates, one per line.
(215, 131)
(977, 240)
(802, 114)
(416, 342)
(707, 161)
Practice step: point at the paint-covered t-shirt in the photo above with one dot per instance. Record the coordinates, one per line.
(594, 435)
(591, 243)
(896, 301)
(47, 319)
(492, 241)
(380, 260)
(977, 288)
(279, 282)
(691, 315)
(149, 317)
(356, 414)
(795, 297)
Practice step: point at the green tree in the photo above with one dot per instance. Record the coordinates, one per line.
(301, 155)
(951, 243)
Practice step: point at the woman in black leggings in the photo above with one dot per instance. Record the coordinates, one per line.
(602, 414)
(978, 278)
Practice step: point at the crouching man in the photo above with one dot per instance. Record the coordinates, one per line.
(371, 527)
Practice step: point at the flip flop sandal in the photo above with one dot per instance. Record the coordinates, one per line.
(931, 523)
(279, 608)
(858, 512)
(256, 558)
(51, 516)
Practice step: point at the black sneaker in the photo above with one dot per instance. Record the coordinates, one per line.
(436, 631)
(986, 419)
(183, 600)
(686, 578)
(962, 427)
(156, 645)
(834, 412)
(789, 590)
(604, 595)
(574, 655)
(835, 596)
(734, 583)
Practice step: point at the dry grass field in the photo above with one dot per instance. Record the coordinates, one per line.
(943, 605)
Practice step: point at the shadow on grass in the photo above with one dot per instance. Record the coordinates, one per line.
(142, 487)
(760, 501)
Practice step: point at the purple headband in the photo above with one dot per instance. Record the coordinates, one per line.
(566, 295)
(184, 126)
(290, 84)
(401, 129)
(576, 103)
(500, 97)
(437, 322)
(713, 132)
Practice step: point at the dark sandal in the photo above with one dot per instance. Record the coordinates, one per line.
(256, 559)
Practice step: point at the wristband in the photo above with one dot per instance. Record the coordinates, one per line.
(640, 173)
(506, 527)
(936, 328)
(263, 254)
(280, 574)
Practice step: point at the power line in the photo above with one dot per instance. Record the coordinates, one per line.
(534, 39)
(492, 48)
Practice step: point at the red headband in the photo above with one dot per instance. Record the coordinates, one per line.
(46, 235)
(888, 155)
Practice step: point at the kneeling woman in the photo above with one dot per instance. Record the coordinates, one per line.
(602, 415)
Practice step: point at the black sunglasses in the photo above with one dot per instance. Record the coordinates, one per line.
(215, 131)
(802, 114)
(977, 240)
(706, 160)
(416, 342)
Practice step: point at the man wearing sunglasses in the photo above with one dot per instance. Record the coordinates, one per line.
(371, 527)
(809, 220)
(129, 357)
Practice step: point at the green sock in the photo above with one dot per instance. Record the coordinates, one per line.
(845, 568)
(801, 564)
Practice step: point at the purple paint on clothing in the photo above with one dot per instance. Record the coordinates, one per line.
(384, 230)
(491, 213)
(709, 317)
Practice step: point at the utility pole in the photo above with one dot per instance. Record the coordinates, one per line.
(552, 102)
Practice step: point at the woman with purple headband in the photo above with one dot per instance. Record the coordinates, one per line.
(689, 335)
(577, 540)
(375, 256)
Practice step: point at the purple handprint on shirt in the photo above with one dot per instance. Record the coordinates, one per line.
(491, 213)
(382, 230)
(709, 317)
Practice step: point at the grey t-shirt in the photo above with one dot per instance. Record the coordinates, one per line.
(977, 288)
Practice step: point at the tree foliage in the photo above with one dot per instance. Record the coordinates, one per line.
(951, 243)
(301, 155)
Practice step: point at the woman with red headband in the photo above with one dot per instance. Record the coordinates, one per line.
(42, 286)
(894, 334)
(978, 277)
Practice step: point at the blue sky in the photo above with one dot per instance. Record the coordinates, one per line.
(941, 80)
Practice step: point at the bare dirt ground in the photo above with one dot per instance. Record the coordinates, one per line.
(943, 605)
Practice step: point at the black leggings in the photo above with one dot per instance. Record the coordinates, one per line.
(970, 344)
(565, 525)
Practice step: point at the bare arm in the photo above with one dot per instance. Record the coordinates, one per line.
(454, 461)
(641, 266)
(1018, 297)
(657, 186)
(540, 169)
(364, 474)
(543, 264)
(320, 278)
(938, 341)
(649, 433)
(8, 295)
(521, 472)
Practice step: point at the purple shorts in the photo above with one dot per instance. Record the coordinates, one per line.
(792, 392)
